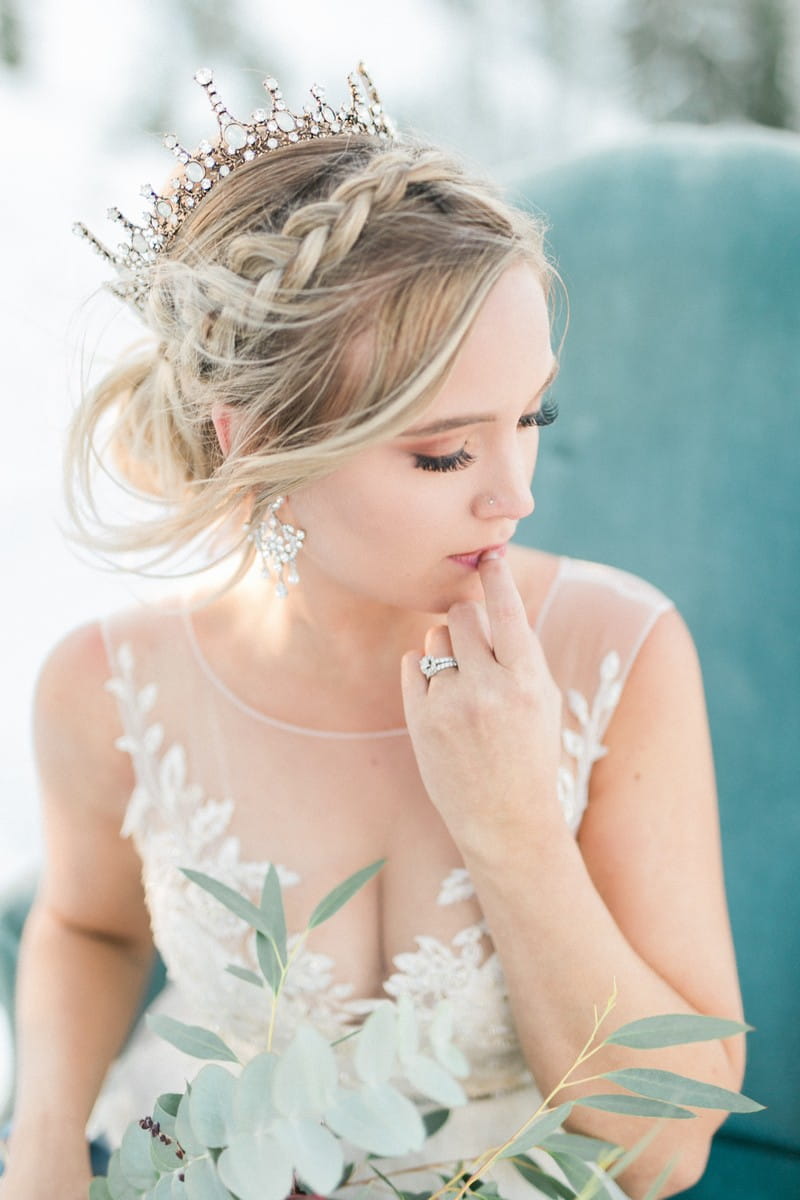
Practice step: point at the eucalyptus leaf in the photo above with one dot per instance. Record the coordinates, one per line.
(305, 1080)
(624, 1160)
(243, 973)
(165, 1110)
(98, 1188)
(203, 1182)
(442, 1026)
(255, 1166)
(269, 962)
(434, 1120)
(542, 1180)
(377, 1119)
(430, 1079)
(634, 1106)
(347, 1174)
(163, 1189)
(590, 1149)
(183, 1128)
(164, 1157)
(580, 1175)
(233, 900)
(135, 1162)
(655, 1189)
(407, 1027)
(678, 1089)
(178, 1188)
(376, 1048)
(541, 1127)
(210, 1102)
(678, 1029)
(440, 1035)
(316, 1153)
(253, 1109)
(272, 908)
(385, 1179)
(343, 892)
(191, 1039)
(118, 1185)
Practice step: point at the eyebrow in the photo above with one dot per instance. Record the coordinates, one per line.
(474, 418)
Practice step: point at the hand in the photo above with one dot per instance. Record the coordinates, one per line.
(487, 736)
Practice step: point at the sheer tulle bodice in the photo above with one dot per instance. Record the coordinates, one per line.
(198, 749)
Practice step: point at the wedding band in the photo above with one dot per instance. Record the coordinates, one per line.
(430, 666)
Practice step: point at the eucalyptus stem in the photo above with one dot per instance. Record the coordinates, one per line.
(488, 1159)
(276, 995)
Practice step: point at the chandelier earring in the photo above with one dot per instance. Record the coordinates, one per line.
(278, 545)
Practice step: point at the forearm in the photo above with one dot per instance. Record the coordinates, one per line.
(77, 996)
(562, 951)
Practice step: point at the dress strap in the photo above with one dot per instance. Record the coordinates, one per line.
(595, 622)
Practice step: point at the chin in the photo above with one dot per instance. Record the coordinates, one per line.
(468, 588)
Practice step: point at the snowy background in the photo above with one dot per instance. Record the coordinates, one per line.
(86, 89)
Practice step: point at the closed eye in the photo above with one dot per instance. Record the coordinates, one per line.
(444, 462)
(543, 416)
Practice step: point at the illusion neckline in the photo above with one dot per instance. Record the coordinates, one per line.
(303, 730)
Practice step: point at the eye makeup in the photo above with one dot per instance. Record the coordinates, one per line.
(543, 416)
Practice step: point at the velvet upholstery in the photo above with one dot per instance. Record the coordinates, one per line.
(676, 456)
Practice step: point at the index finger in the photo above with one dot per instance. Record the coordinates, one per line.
(508, 619)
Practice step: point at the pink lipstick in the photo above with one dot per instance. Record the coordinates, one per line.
(471, 560)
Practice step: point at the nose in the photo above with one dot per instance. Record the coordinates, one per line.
(513, 508)
(506, 492)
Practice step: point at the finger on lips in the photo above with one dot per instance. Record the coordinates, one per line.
(508, 620)
(469, 633)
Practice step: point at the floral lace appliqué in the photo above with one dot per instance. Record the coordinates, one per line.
(174, 824)
(584, 744)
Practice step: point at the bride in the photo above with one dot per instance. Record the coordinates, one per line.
(347, 374)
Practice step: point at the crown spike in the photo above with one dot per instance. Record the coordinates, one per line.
(80, 230)
(206, 166)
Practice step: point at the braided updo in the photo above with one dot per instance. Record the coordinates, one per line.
(323, 290)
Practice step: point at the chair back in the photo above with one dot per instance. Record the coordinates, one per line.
(676, 457)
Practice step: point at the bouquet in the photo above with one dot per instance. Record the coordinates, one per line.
(321, 1117)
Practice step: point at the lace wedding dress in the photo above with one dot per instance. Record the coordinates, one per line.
(196, 746)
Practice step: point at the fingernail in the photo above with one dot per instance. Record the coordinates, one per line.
(490, 554)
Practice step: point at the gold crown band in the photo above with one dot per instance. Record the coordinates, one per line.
(201, 169)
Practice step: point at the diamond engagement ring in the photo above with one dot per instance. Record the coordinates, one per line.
(431, 666)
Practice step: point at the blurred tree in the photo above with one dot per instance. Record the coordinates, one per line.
(189, 34)
(710, 60)
(10, 34)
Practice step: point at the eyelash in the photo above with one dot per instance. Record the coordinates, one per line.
(546, 415)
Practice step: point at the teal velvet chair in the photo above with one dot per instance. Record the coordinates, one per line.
(676, 456)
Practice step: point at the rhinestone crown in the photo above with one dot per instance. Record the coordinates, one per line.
(209, 164)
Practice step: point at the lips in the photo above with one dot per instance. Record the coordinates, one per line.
(474, 557)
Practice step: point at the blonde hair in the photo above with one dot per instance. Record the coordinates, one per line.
(322, 291)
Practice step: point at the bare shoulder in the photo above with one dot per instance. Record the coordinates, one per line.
(85, 783)
(76, 724)
(663, 700)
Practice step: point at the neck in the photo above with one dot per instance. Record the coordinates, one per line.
(324, 629)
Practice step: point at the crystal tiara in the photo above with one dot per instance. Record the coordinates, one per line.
(201, 169)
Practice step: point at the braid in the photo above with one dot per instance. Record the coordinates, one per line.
(328, 229)
(324, 291)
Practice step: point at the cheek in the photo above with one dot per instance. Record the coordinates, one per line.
(346, 513)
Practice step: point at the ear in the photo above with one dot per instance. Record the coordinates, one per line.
(226, 420)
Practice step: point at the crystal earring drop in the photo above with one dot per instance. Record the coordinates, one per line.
(278, 544)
